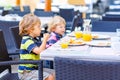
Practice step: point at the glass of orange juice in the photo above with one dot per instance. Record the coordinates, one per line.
(87, 37)
(64, 45)
(78, 34)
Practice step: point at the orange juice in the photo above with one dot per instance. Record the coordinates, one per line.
(64, 45)
(87, 37)
(78, 34)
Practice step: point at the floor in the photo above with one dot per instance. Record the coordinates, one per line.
(14, 68)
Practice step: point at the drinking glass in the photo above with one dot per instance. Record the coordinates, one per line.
(78, 34)
(87, 37)
(64, 45)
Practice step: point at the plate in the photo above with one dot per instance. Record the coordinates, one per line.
(100, 37)
(71, 35)
(75, 43)
(99, 44)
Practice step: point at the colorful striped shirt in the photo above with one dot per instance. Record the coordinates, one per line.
(54, 37)
(27, 45)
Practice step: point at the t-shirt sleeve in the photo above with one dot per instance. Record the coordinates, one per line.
(29, 45)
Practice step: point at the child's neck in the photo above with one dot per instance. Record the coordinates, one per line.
(57, 33)
(32, 35)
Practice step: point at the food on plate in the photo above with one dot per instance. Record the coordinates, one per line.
(104, 44)
(72, 41)
(95, 36)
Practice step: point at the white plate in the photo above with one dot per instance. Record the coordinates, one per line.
(100, 37)
(74, 42)
(100, 44)
(77, 44)
(71, 35)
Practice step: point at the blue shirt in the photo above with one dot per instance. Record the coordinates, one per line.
(27, 45)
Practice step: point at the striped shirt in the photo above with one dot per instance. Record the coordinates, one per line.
(27, 45)
(54, 37)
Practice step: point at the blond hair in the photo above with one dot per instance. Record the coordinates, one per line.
(28, 22)
(56, 20)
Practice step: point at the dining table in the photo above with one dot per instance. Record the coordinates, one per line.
(90, 49)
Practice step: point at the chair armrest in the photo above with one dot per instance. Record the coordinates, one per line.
(39, 62)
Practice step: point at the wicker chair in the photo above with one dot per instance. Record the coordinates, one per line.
(16, 8)
(105, 26)
(20, 13)
(68, 17)
(26, 8)
(4, 56)
(44, 14)
(1, 7)
(17, 38)
(14, 76)
(86, 69)
(4, 26)
(75, 22)
(5, 62)
(110, 18)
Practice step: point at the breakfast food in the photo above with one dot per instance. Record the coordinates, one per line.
(94, 36)
(75, 42)
(104, 44)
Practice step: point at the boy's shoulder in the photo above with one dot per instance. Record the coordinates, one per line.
(26, 38)
(29, 38)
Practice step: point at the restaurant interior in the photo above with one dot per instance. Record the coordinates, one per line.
(88, 50)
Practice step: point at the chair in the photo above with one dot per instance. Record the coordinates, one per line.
(5, 12)
(68, 17)
(36, 9)
(14, 76)
(26, 8)
(4, 26)
(76, 21)
(17, 38)
(80, 20)
(1, 7)
(69, 14)
(43, 13)
(18, 12)
(4, 56)
(86, 69)
(16, 8)
(105, 26)
(110, 18)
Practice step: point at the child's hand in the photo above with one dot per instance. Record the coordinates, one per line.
(46, 36)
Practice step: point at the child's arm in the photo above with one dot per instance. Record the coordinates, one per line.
(42, 47)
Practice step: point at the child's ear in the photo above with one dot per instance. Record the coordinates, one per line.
(30, 30)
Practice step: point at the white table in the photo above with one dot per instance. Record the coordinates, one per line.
(80, 51)
(113, 13)
(114, 6)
